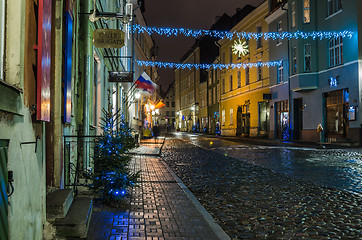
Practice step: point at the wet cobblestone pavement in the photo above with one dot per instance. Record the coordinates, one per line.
(251, 202)
(158, 209)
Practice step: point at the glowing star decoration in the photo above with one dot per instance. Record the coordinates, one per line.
(240, 48)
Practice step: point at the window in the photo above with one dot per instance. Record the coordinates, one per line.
(167, 113)
(294, 60)
(2, 37)
(293, 15)
(167, 104)
(231, 116)
(280, 72)
(333, 6)
(210, 97)
(223, 58)
(306, 11)
(214, 95)
(259, 42)
(231, 55)
(239, 79)
(173, 104)
(223, 86)
(279, 30)
(335, 52)
(231, 82)
(173, 113)
(223, 117)
(307, 56)
(246, 76)
(260, 73)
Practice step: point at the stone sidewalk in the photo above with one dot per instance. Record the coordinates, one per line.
(161, 207)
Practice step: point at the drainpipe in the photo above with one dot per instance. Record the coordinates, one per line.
(290, 96)
(86, 88)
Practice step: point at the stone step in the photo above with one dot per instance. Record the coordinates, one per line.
(76, 223)
(58, 203)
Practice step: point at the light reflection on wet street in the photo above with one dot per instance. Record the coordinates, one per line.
(337, 168)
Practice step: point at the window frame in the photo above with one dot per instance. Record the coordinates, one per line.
(335, 48)
(306, 9)
(294, 61)
(293, 20)
(239, 79)
(307, 55)
(280, 72)
(247, 76)
(279, 30)
(230, 82)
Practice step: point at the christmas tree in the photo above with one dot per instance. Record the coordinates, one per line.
(111, 176)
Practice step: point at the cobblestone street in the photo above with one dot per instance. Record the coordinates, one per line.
(250, 201)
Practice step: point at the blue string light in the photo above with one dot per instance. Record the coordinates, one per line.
(207, 66)
(246, 35)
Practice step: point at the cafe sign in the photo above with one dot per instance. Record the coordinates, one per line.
(108, 38)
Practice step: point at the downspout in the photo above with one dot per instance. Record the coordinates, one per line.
(290, 96)
(86, 87)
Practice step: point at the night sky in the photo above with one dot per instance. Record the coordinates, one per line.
(195, 14)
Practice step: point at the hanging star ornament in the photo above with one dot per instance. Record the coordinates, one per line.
(240, 48)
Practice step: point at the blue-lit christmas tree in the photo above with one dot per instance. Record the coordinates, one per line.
(111, 176)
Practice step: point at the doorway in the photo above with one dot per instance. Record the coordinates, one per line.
(298, 118)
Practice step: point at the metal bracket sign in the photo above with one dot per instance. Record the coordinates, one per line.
(120, 76)
(108, 38)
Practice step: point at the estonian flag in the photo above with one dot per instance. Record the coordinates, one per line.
(144, 82)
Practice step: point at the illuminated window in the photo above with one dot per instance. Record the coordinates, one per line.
(231, 116)
(333, 6)
(293, 15)
(335, 52)
(306, 11)
(307, 56)
(223, 117)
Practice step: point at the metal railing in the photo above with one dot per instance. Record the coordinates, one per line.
(78, 153)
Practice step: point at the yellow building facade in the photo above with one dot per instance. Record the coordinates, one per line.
(244, 107)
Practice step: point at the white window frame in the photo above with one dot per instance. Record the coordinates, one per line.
(306, 11)
(306, 56)
(335, 51)
(280, 72)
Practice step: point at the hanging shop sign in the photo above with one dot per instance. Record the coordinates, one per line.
(108, 38)
(120, 77)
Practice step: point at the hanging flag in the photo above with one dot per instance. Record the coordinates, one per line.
(144, 82)
(160, 104)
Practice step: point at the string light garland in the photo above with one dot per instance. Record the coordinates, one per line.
(245, 35)
(207, 66)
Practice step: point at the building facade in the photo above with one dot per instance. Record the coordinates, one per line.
(244, 109)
